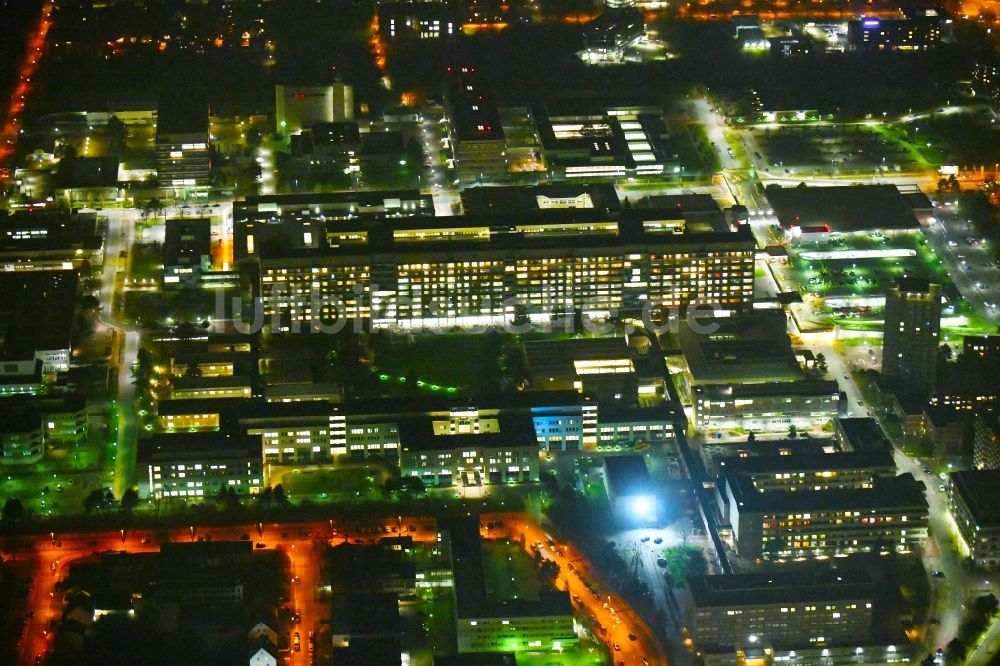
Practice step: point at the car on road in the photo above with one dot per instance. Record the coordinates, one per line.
(644, 539)
(861, 403)
(633, 637)
(662, 563)
(261, 544)
(937, 574)
(618, 648)
(658, 540)
(297, 642)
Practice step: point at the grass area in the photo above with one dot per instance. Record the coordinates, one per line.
(510, 573)
(146, 262)
(704, 147)
(345, 483)
(587, 652)
(186, 305)
(963, 139)
(449, 362)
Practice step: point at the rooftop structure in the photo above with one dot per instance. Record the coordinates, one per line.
(843, 209)
(747, 349)
(509, 199)
(36, 317)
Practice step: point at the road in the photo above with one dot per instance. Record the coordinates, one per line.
(304, 542)
(36, 48)
(121, 229)
(609, 609)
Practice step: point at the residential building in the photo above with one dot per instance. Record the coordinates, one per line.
(862, 433)
(183, 153)
(889, 516)
(986, 78)
(916, 29)
(812, 472)
(475, 130)
(416, 273)
(766, 407)
(615, 30)
(912, 334)
(986, 441)
(972, 503)
(379, 568)
(488, 624)
(368, 620)
(786, 611)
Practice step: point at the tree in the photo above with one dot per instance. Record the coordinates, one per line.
(93, 501)
(130, 500)
(413, 484)
(793, 431)
(89, 302)
(279, 495)
(193, 370)
(955, 651)
(821, 362)
(13, 510)
(548, 572)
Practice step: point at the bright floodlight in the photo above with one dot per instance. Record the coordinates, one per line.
(643, 507)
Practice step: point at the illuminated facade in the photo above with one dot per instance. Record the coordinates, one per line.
(890, 516)
(793, 610)
(472, 272)
(971, 503)
(805, 472)
(198, 465)
(766, 407)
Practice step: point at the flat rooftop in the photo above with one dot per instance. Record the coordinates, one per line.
(874, 460)
(762, 589)
(215, 445)
(36, 311)
(516, 430)
(804, 389)
(417, 236)
(558, 358)
(505, 199)
(627, 476)
(900, 492)
(749, 348)
(978, 489)
(844, 209)
(863, 433)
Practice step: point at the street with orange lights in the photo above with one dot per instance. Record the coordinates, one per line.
(32, 57)
(304, 544)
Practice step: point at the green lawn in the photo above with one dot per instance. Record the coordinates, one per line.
(347, 483)
(510, 572)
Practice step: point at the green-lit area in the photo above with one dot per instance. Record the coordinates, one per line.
(350, 483)
(510, 573)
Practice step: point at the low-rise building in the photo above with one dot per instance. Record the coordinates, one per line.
(971, 500)
(504, 451)
(22, 437)
(862, 433)
(380, 568)
(37, 311)
(187, 251)
(889, 516)
(49, 240)
(766, 407)
(485, 624)
(197, 465)
(630, 491)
